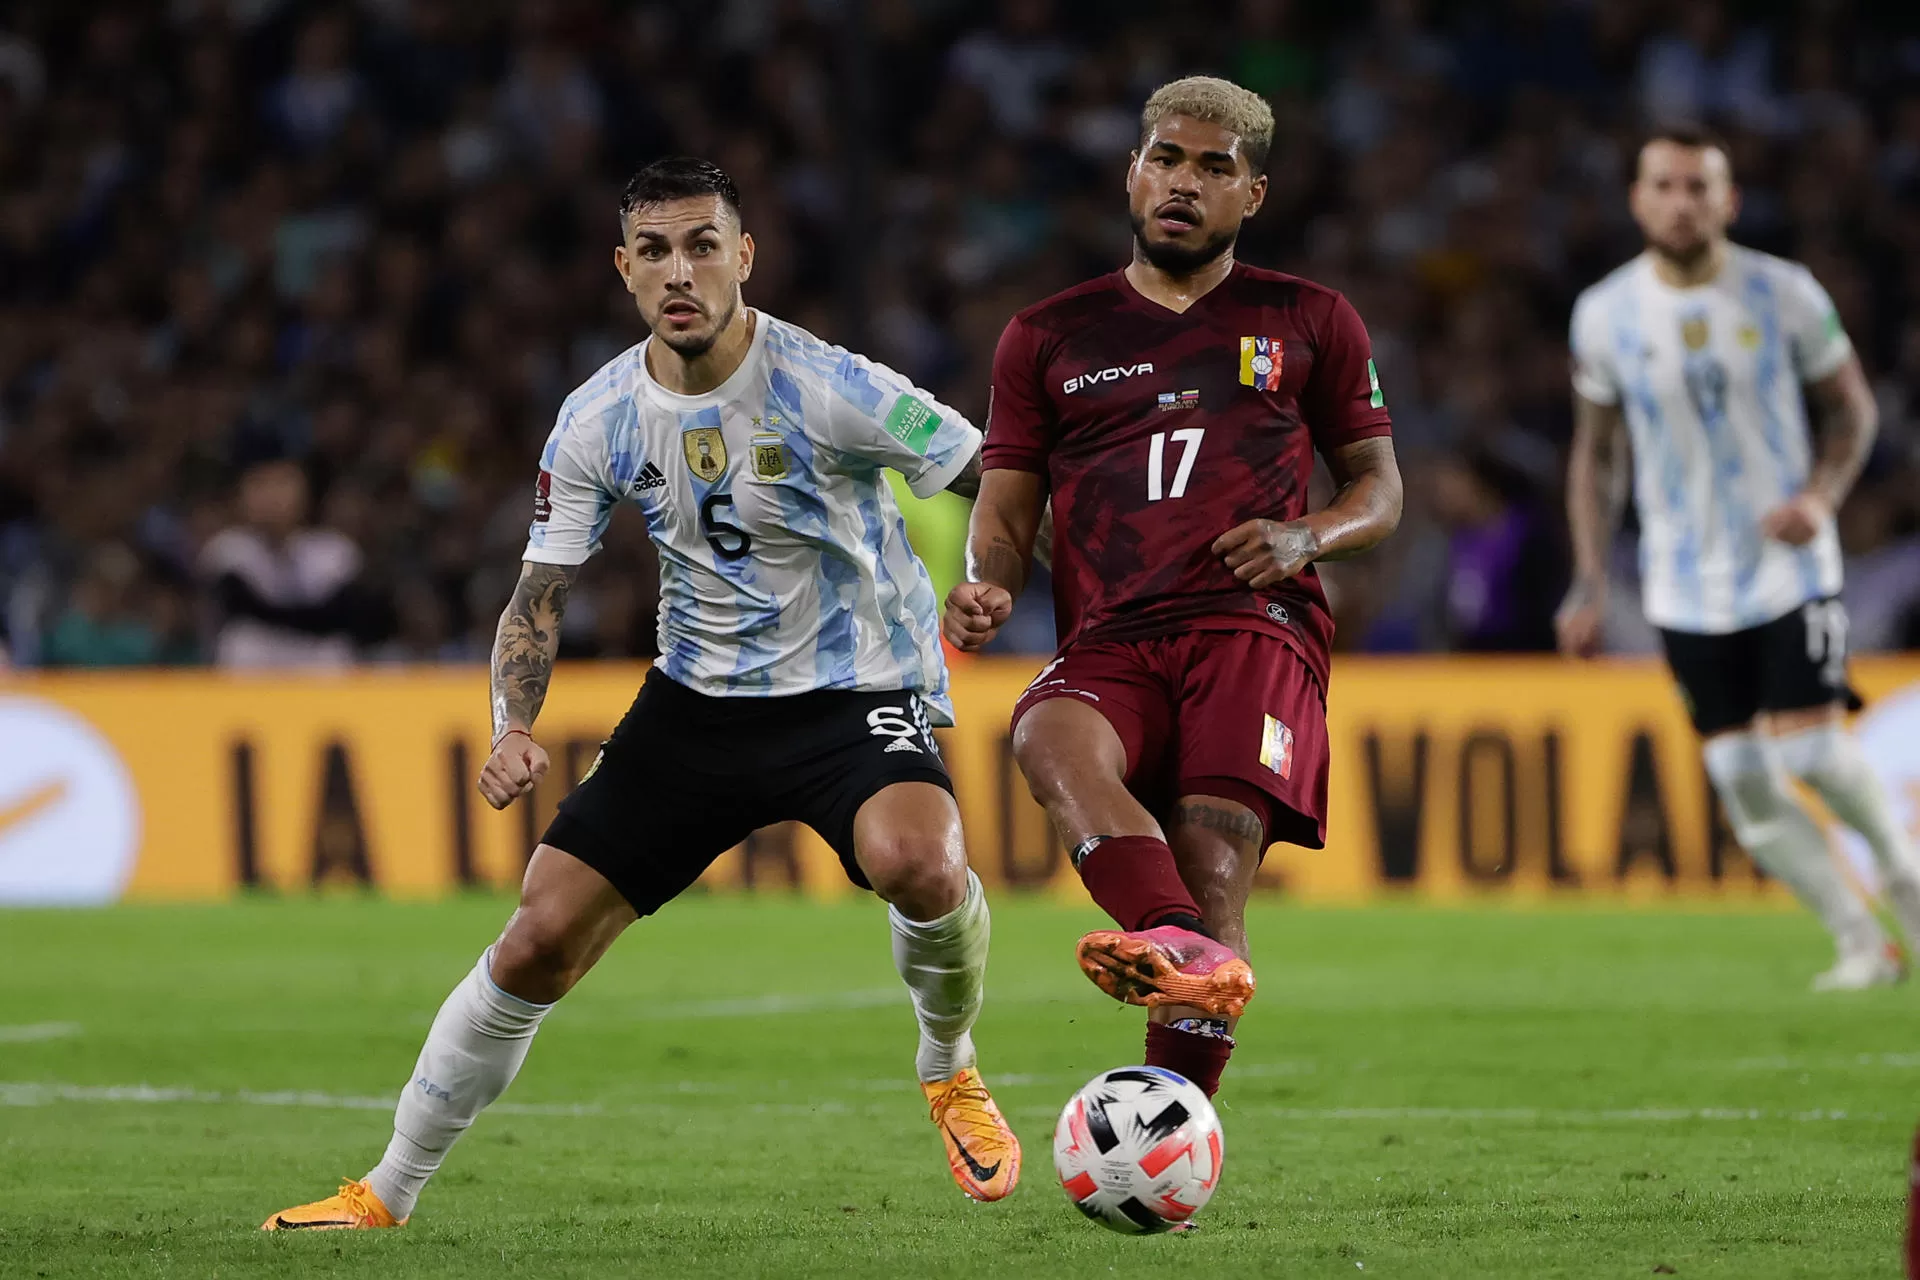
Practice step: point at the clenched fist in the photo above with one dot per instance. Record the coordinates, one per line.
(1580, 624)
(1798, 520)
(516, 764)
(1265, 553)
(975, 611)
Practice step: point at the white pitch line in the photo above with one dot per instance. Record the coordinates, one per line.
(37, 1094)
(755, 1006)
(815, 1002)
(1536, 1115)
(33, 1094)
(35, 1031)
(1894, 1061)
(1021, 1080)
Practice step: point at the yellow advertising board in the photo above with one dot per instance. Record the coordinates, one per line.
(1451, 777)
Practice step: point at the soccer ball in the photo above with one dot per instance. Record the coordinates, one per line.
(1138, 1150)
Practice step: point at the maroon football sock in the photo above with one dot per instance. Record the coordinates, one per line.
(1135, 881)
(1198, 1056)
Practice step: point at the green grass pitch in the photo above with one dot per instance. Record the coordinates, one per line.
(1426, 1093)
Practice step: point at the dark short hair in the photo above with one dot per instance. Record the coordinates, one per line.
(1681, 133)
(676, 178)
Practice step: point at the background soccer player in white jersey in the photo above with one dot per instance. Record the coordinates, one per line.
(800, 666)
(1707, 352)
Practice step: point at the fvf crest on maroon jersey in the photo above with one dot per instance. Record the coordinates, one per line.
(1158, 431)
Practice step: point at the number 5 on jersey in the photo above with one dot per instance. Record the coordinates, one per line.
(729, 541)
(1190, 437)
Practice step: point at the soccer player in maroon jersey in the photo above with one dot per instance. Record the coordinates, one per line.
(1171, 412)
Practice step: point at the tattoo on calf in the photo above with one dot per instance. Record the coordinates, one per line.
(1238, 823)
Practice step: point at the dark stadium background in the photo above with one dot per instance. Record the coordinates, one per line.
(373, 239)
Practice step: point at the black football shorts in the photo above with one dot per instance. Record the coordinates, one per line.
(686, 776)
(1797, 661)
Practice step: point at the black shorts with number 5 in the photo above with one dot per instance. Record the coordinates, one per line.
(1795, 662)
(685, 777)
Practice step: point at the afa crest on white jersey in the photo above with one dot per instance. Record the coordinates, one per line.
(784, 563)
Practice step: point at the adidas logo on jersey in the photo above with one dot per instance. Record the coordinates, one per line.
(651, 477)
(902, 744)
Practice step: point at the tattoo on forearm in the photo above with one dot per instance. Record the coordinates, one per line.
(1846, 422)
(1236, 822)
(1596, 483)
(1609, 475)
(1001, 563)
(967, 483)
(1367, 503)
(526, 644)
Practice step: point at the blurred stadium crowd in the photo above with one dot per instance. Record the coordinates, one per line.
(289, 292)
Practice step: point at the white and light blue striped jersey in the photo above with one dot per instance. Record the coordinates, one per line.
(784, 564)
(1709, 379)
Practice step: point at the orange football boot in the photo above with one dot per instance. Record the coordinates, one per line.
(353, 1208)
(1168, 965)
(981, 1150)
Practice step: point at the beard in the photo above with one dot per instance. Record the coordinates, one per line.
(691, 346)
(1181, 259)
(1686, 255)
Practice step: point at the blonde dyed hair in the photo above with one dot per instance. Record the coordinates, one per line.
(1241, 112)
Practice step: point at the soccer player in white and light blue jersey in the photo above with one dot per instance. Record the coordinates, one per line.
(799, 676)
(1698, 358)
(784, 564)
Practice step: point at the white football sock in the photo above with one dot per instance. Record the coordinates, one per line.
(1828, 759)
(476, 1045)
(1778, 834)
(944, 964)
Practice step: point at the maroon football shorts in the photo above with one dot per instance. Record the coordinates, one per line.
(1233, 714)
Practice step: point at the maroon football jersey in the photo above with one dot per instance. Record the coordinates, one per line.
(1158, 431)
